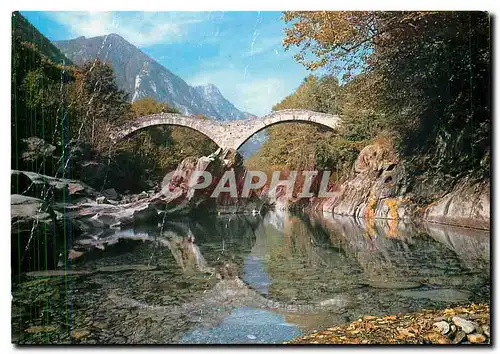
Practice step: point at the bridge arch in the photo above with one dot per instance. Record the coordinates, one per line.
(211, 129)
(231, 134)
(283, 116)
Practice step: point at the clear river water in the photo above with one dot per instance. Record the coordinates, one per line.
(246, 279)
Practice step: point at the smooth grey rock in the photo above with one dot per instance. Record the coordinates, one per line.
(467, 326)
(41, 186)
(29, 211)
(459, 336)
(110, 194)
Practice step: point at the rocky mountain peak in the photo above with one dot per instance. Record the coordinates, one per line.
(141, 76)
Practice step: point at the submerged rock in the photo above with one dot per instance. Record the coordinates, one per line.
(442, 295)
(41, 329)
(124, 268)
(79, 333)
(57, 273)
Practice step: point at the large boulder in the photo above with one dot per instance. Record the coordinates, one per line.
(45, 187)
(27, 211)
(92, 216)
(375, 191)
(33, 233)
(369, 158)
(468, 204)
(179, 197)
(382, 188)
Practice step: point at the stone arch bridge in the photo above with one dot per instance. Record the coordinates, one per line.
(230, 134)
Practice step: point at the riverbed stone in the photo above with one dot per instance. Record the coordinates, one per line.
(459, 336)
(442, 295)
(57, 273)
(465, 325)
(40, 329)
(78, 334)
(436, 338)
(110, 193)
(476, 338)
(442, 326)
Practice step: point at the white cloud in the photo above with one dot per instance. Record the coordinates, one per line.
(140, 28)
(254, 94)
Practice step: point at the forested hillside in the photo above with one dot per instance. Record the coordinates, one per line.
(62, 114)
(416, 81)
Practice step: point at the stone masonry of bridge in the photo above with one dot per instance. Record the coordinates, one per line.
(230, 134)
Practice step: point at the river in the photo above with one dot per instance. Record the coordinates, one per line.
(247, 279)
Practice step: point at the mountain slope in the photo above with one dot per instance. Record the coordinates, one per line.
(141, 76)
(223, 107)
(24, 31)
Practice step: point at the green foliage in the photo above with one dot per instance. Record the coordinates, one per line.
(316, 94)
(23, 31)
(98, 105)
(38, 100)
(75, 109)
(303, 146)
(149, 154)
(147, 106)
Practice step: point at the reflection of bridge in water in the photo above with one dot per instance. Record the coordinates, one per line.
(286, 257)
(231, 134)
(310, 271)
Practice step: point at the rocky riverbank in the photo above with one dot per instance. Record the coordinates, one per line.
(456, 325)
(45, 209)
(381, 188)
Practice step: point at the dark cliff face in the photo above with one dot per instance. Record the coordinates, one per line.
(141, 76)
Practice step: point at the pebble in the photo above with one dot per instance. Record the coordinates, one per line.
(40, 329)
(436, 338)
(251, 336)
(467, 326)
(486, 330)
(443, 327)
(459, 336)
(79, 333)
(476, 338)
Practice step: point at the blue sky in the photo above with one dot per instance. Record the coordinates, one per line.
(240, 52)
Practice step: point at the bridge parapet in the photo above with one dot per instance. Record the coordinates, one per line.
(227, 134)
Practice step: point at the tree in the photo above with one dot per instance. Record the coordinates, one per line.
(147, 106)
(302, 146)
(98, 103)
(426, 76)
